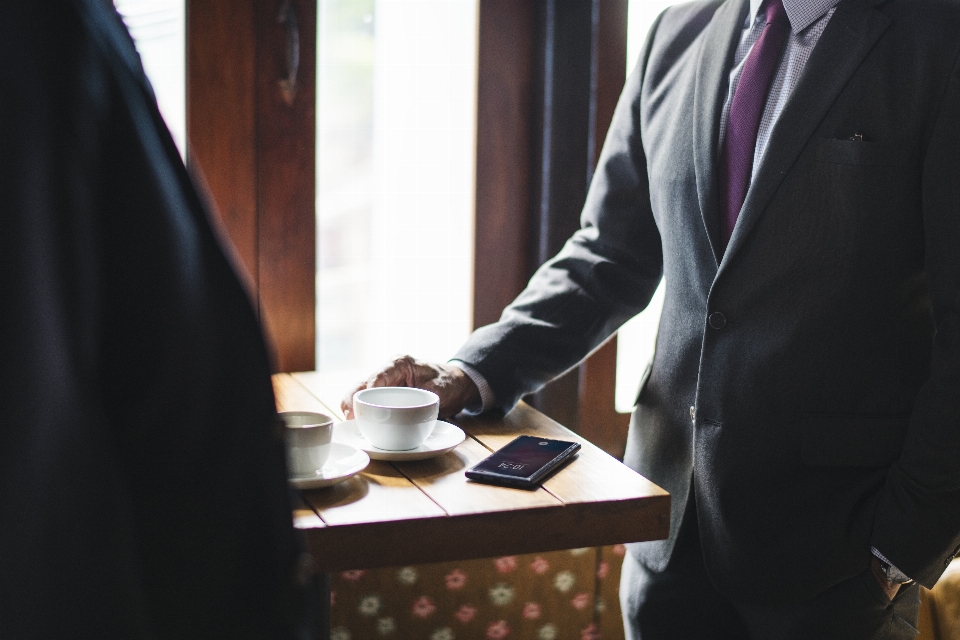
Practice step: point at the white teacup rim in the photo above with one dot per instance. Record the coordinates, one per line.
(434, 398)
(323, 421)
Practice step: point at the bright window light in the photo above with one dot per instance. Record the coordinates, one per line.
(159, 31)
(396, 115)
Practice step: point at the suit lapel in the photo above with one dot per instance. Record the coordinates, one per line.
(720, 41)
(852, 32)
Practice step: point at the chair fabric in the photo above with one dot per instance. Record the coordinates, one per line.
(560, 595)
(548, 596)
(940, 607)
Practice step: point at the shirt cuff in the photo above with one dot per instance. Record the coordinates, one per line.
(896, 574)
(487, 401)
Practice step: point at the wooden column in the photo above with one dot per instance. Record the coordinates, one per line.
(251, 96)
(563, 158)
(550, 72)
(599, 420)
(506, 73)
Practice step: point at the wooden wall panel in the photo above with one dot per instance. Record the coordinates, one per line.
(505, 75)
(598, 417)
(609, 65)
(253, 144)
(286, 178)
(550, 73)
(563, 158)
(221, 116)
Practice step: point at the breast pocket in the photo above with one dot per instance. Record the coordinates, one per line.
(861, 153)
(845, 440)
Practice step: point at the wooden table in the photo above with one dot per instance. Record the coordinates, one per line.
(416, 512)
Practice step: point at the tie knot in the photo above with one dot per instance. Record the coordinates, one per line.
(775, 13)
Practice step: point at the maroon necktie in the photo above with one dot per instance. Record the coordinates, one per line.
(746, 109)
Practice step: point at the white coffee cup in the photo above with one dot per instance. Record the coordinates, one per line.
(307, 436)
(396, 418)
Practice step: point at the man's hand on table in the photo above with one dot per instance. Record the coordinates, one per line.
(455, 388)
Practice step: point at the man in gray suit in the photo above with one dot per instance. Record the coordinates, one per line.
(792, 170)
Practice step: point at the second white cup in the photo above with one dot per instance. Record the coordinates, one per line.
(307, 436)
(396, 418)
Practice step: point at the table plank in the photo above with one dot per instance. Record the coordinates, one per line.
(304, 517)
(486, 535)
(593, 475)
(328, 390)
(379, 493)
(442, 478)
(291, 395)
(595, 500)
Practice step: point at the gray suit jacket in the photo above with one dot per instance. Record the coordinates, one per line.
(822, 349)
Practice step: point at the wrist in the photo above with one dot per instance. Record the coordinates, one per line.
(455, 388)
(467, 390)
(484, 399)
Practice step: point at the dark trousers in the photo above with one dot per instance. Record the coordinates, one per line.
(681, 603)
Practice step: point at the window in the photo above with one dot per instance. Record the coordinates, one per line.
(396, 112)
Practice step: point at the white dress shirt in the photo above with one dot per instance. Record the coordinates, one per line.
(808, 19)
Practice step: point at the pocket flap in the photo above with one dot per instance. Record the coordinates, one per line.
(852, 440)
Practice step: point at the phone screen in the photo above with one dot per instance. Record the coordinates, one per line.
(524, 459)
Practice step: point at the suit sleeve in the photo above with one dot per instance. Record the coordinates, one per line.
(917, 524)
(606, 272)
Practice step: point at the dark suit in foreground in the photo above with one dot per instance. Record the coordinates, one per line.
(806, 382)
(142, 487)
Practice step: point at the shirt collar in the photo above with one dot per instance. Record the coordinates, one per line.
(801, 13)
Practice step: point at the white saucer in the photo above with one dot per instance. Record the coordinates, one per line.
(445, 437)
(345, 461)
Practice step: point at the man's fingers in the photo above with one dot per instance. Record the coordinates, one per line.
(415, 372)
(403, 371)
(406, 371)
(387, 377)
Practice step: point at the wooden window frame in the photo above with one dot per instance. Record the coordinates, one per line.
(550, 73)
(251, 132)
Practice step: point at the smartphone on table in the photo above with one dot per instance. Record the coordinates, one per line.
(524, 462)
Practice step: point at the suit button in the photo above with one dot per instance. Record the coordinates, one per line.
(717, 320)
(693, 414)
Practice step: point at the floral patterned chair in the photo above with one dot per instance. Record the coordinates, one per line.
(940, 607)
(562, 595)
(547, 596)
